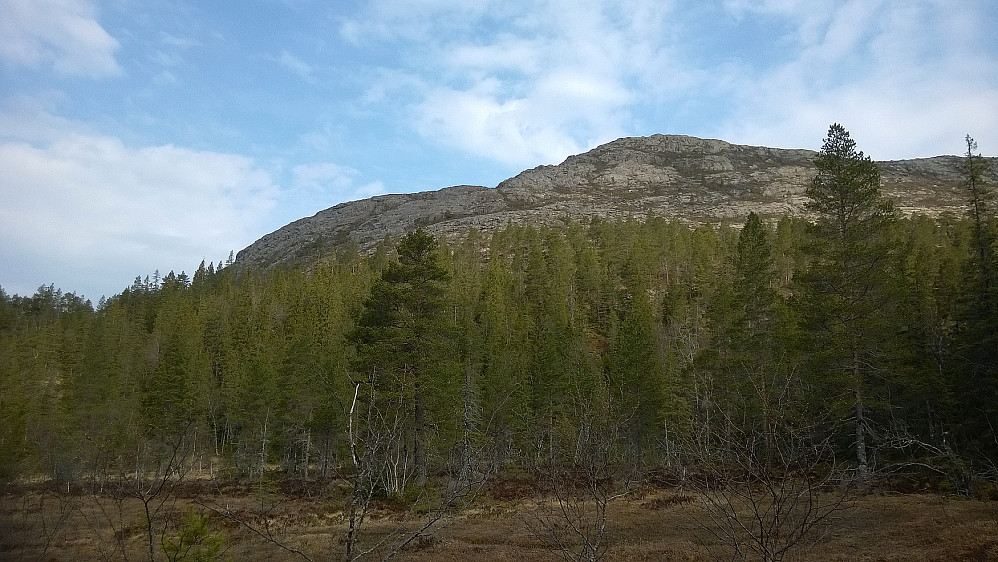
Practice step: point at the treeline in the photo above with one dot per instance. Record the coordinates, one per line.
(651, 342)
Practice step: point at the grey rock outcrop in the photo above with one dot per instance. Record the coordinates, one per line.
(687, 178)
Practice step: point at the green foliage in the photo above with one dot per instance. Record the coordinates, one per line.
(845, 192)
(849, 247)
(406, 357)
(847, 284)
(194, 540)
(976, 334)
(506, 344)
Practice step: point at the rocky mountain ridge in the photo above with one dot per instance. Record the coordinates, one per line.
(691, 179)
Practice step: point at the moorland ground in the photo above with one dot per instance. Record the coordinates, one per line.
(38, 522)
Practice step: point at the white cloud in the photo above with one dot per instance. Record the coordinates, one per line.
(507, 52)
(90, 212)
(170, 55)
(165, 77)
(506, 131)
(905, 80)
(560, 113)
(412, 20)
(61, 33)
(178, 42)
(25, 118)
(554, 79)
(294, 64)
(523, 84)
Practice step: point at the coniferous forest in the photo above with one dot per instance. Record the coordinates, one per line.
(857, 346)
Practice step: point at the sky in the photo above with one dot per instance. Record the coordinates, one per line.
(148, 136)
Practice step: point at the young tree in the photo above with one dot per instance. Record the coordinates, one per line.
(763, 461)
(758, 357)
(636, 374)
(755, 276)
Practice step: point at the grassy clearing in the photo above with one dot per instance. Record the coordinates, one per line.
(654, 523)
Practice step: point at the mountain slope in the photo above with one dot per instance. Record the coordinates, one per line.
(691, 179)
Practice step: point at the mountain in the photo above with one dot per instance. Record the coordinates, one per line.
(687, 178)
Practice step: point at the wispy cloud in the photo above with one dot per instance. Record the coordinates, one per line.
(332, 182)
(178, 42)
(523, 85)
(78, 198)
(294, 64)
(63, 34)
(412, 20)
(165, 77)
(904, 78)
(541, 84)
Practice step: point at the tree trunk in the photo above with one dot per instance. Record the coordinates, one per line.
(467, 422)
(419, 453)
(862, 469)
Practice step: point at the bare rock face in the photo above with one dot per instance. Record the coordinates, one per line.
(367, 222)
(687, 178)
(690, 179)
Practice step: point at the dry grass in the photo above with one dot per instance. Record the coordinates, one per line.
(650, 524)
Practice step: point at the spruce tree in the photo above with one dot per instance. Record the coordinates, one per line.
(977, 338)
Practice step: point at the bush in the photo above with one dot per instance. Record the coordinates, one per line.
(194, 541)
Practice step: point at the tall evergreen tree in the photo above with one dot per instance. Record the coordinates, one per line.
(978, 332)
(754, 294)
(405, 349)
(844, 284)
(981, 200)
(636, 373)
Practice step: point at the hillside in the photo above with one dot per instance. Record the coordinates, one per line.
(573, 389)
(694, 180)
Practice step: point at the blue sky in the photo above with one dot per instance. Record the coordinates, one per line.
(143, 136)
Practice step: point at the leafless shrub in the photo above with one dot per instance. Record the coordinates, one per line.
(52, 527)
(575, 524)
(152, 479)
(379, 463)
(381, 469)
(768, 488)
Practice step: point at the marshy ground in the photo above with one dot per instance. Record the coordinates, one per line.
(38, 522)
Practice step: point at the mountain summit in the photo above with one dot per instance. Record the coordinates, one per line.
(687, 178)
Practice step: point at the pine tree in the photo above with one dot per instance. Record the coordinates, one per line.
(405, 347)
(851, 256)
(506, 357)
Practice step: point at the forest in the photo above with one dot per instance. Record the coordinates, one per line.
(857, 347)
